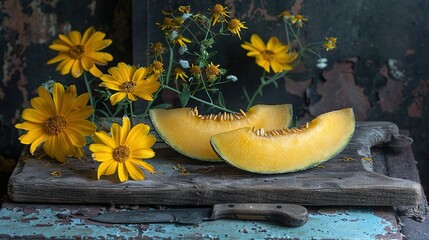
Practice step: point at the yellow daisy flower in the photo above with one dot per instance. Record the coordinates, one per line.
(235, 26)
(212, 71)
(195, 70)
(130, 83)
(185, 9)
(57, 122)
(158, 49)
(299, 19)
(170, 23)
(330, 43)
(156, 67)
(286, 15)
(78, 53)
(124, 150)
(274, 55)
(219, 14)
(179, 73)
(181, 40)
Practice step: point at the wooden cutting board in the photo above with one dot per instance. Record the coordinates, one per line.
(346, 179)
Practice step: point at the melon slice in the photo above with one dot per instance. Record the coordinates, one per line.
(287, 150)
(188, 132)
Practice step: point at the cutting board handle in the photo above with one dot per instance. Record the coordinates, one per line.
(285, 214)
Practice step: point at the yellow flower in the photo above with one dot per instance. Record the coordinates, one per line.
(170, 23)
(158, 49)
(286, 15)
(57, 122)
(130, 83)
(219, 14)
(212, 71)
(299, 19)
(80, 53)
(179, 73)
(274, 55)
(181, 40)
(195, 70)
(157, 67)
(124, 150)
(235, 26)
(330, 44)
(185, 9)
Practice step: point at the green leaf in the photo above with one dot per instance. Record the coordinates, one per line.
(293, 123)
(162, 106)
(184, 95)
(220, 99)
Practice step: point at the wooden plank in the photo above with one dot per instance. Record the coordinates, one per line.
(346, 179)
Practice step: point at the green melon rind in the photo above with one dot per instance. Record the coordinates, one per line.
(346, 142)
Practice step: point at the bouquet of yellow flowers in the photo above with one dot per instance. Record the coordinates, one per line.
(62, 122)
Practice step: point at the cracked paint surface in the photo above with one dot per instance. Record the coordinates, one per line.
(323, 224)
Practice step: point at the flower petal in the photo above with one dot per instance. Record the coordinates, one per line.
(88, 33)
(135, 172)
(102, 156)
(100, 147)
(257, 42)
(117, 97)
(143, 153)
(75, 37)
(58, 93)
(122, 172)
(107, 168)
(143, 164)
(104, 138)
(33, 115)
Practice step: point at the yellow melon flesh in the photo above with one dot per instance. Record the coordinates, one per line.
(287, 150)
(189, 133)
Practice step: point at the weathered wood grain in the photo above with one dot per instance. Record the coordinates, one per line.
(346, 179)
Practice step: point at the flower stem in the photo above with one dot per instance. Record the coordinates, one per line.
(91, 98)
(131, 112)
(264, 83)
(200, 100)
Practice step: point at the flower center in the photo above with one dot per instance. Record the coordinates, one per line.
(217, 9)
(157, 66)
(234, 24)
(55, 124)
(77, 51)
(121, 153)
(268, 55)
(128, 87)
(212, 72)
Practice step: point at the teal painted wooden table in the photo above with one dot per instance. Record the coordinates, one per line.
(71, 221)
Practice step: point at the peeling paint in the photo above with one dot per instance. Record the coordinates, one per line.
(341, 223)
(390, 95)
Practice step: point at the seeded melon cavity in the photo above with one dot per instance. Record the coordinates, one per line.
(189, 132)
(287, 150)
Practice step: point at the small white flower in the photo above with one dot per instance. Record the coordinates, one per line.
(173, 35)
(322, 63)
(186, 16)
(48, 85)
(184, 63)
(183, 49)
(232, 78)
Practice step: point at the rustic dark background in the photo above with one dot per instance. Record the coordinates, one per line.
(379, 68)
